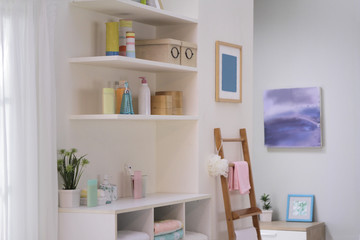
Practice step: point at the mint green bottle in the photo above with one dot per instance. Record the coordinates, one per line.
(92, 193)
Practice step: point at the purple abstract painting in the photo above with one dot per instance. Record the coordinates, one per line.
(292, 117)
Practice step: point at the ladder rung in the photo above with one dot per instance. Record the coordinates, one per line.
(233, 139)
(247, 212)
(231, 164)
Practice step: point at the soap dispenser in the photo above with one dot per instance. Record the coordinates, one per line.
(144, 98)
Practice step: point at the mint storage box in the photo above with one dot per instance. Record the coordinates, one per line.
(188, 54)
(163, 50)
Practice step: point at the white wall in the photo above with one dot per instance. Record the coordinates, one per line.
(304, 43)
(229, 21)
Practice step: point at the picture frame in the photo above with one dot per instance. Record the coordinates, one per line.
(228, 72)
(299, 208)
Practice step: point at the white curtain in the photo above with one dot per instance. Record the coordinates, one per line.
(28, 177)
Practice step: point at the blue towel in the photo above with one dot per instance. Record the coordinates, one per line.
(179, 234)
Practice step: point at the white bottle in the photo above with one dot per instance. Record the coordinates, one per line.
(144, 98)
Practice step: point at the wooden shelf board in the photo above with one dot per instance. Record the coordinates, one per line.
(131, 64)
(135, 11)
(247, 212)
(123, 205)
(134, 117)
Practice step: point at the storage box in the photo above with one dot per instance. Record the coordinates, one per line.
(177, 100)
(188, 54)
(161, 105)
(162, 50)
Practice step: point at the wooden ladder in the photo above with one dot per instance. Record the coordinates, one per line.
(253, 211)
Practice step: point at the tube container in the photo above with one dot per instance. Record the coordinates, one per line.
(112, 38)
(108, 102)
(137, 184)
(130, 44)
(92, 193)
(125, 26)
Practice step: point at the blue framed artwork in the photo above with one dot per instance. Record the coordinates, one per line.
(228, 72)
(292, 117)
(300, 208)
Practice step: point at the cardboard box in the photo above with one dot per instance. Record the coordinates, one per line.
(188, 54)
(162, 50)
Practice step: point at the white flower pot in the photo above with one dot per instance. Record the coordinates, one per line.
(69, 198)
(266, 216)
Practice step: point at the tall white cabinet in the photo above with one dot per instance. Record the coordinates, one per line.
(165, 148)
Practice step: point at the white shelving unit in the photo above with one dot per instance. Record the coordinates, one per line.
(132, 64)
(137, 12)
(130, 204)
(172, 138)
(102, 222)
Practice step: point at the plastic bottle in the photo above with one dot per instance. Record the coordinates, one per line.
(137, 184)
(108, 100)
(144, 98)
(126, 102)
(119, 91)
(92, 193)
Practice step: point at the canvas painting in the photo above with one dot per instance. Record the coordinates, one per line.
(292, 117)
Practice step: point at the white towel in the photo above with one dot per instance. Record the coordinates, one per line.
(131, 235)
(246, 234)
(195, 236)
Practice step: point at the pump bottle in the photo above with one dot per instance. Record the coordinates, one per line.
(144, 98)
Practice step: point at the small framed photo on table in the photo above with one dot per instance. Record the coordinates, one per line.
(300, 208)
(228, 70)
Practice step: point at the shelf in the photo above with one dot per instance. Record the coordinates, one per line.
(134, 117)
(131, 64)
(123, 205)
(247, 212)
(134, 11)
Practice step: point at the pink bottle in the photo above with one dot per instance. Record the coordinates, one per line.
(137, 184)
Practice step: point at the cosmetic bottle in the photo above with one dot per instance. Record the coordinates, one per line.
(108, 100)
(119, 92)
(137, 185)
(144, 98)
(126, 102)
(92, 193)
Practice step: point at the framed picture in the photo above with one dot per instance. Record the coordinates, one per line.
(300, 208)
(228, 72)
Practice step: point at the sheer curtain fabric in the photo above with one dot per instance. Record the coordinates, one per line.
(28, 177)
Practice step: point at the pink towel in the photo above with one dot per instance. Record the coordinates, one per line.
(238, 178)
(167, 226)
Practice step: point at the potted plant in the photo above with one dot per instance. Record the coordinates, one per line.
(70, 168)
(266, 215)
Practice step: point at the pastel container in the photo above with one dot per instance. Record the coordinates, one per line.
(125, 26)
(112, 38)
(108, 100)
(92, 193)
(130, 44)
